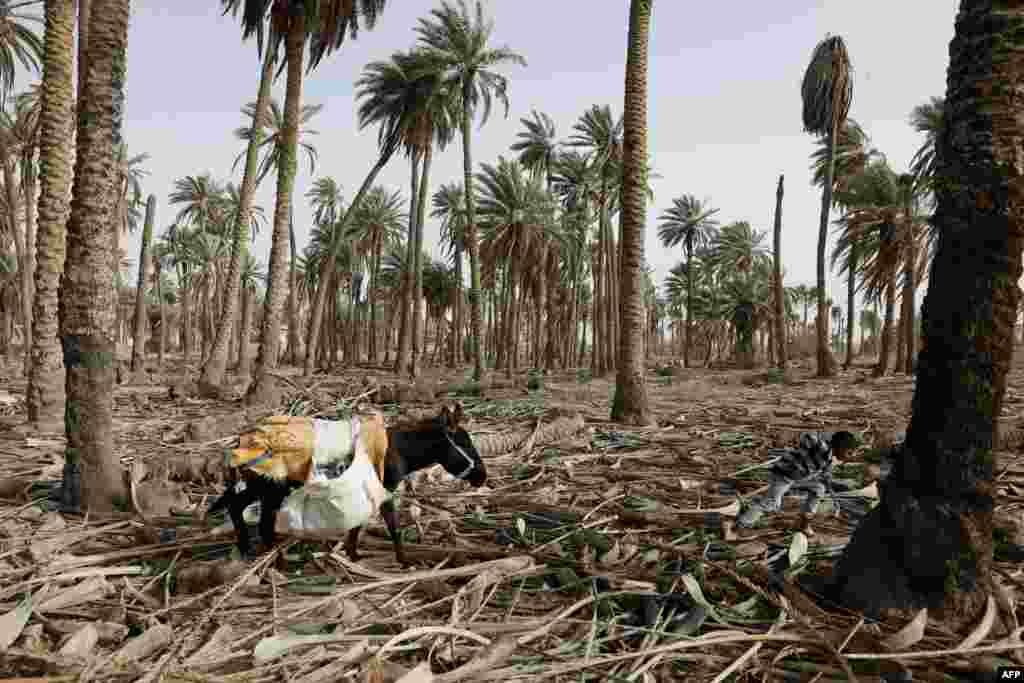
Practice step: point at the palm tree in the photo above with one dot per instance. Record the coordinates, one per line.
(779, 328)
(689, 222)
(213, 370)
(390, 100)
(138, 351)
(513, 212)
(45, 390)
(375, 228)
(325, 23)
(927, 118)
(273, 143)
(630, 401)
(827, 91)
(937, 505)
(454, 44)
(86, 298)
(538, 150)
(449, 204)
(852, 154)
(600, 133)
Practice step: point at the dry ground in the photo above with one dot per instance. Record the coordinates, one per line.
(503, 584)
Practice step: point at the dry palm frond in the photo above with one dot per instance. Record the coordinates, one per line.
(827, 88)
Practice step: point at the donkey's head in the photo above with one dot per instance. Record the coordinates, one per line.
(460, 459)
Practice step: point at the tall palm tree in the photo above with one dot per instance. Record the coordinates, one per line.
(45, 391)
(778, 298)
(852, 153)
(390, 101)
(630, 401)
(688, 222)
(213, 370)
(138, 341)
(325, 24)
(272, 147)
(513, 213)
(827, 91)
(86, 298)
(376, 227)
(432, 121)
(538, 150)
(600, 133)
(937, 505)
(449, 205)
(455, 44)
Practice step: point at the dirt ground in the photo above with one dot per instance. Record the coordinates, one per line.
(567, 565)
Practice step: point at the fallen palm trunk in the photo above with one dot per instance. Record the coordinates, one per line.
(499, 444)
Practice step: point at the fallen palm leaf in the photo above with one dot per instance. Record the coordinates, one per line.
(13, 622)
(912, 633)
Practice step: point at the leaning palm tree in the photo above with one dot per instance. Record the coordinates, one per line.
(86, 297)
(389, 101)
(630, 401)
(688, 222)
(827, 91)
(325, 24)
(454, 43)
(46, 378)
(213, 370)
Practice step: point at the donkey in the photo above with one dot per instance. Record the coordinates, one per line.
(395, 453)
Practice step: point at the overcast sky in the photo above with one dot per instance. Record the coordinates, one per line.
(724, 108)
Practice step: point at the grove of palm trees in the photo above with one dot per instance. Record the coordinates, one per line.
(629, 333)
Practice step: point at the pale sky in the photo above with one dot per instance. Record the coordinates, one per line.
(724, 110)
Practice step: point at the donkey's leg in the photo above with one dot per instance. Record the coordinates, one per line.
(236, 506)
(389, 511)
(351, 543)
(271, 498)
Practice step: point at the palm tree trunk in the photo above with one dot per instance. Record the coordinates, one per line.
(213, 372)
(245, 329)
(417, 292)
(162, 348)
(630, 401)
(937, 504)
(826, 364)
(851, 286)
(404, 334)
(901, 338)
(472, 240)
(887, 332)
(293, 284)
(270, 333)
(456, 357)
(20, 252)
(909, 287)
(138, 343)
(46, 379)
(87, 304)
(779, 324)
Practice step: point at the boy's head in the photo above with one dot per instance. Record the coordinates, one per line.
(843, 442)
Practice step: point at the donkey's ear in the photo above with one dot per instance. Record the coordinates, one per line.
(447, 417)
(457, 414)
